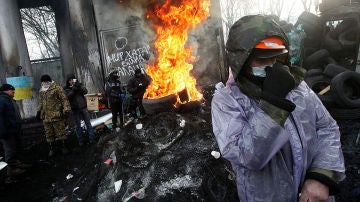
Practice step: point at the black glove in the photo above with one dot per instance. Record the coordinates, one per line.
(38, 116)
(277, 84)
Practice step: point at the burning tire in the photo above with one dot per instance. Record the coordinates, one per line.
(163, 104)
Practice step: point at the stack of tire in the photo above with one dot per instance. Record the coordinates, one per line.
(330, 56)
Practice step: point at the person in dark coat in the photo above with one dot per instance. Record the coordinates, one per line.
(10, 129)
(75, 92)
(115, 95)
(137, 86)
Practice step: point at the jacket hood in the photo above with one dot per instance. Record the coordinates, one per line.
(245, 34)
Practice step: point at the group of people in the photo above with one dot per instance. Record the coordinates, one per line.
(116, 93)
(57, 105)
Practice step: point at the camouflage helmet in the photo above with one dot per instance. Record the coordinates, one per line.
(245, 34)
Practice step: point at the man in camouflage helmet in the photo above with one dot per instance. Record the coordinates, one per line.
(280, 139)
(53, 108)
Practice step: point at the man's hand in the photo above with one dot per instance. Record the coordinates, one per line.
(314, 191)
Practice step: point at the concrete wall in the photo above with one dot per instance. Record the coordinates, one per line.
(85, 45)
(13, 49)
(14, 56)
(128, 20)
(51, 67)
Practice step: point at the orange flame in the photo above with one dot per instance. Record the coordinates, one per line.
(170, 73)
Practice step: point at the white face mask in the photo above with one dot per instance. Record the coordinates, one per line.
(45, 85)
(260, 70)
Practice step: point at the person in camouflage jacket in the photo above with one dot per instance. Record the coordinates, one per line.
(281, 141)
(53, 109)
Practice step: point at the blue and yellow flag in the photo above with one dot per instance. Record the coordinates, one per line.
(22, 87)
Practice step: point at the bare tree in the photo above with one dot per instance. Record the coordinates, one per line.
(40, 32)
(232, 10)
(307, 4)
(276, 7)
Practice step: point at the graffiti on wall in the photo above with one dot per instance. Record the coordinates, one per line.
(124, 50)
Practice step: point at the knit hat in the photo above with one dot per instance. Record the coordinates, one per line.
(45, 77)
(6, 87)
(70, 76)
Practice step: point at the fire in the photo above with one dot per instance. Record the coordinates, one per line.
(170, 73)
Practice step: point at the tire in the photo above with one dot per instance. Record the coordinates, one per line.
(314, 72)
(332, 70)
(327, 100)
(317, 58)
(331, 44)
(350, 38)
(308, 51)
(346, 89)
(317, 83)
(340, 28)
(348, 114)
(311, 23)
(164, 104)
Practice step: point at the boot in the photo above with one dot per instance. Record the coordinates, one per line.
(64, 149)
(13, 171)
(51, 149)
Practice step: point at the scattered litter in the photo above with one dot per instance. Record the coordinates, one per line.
(2, 165)
(69, 176)
(118, 185)
(100, 120)
(65, 198)
(215, 154)
(182, 123)
(138, 126)
(75, 195)
(108, 161)
(140, 194)
(113, 156)
(76, 188)
(117, 129)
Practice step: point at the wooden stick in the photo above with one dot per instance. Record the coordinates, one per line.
(325, 90)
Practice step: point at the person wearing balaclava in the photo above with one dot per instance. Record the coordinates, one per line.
(281, 141)
(115, 96)
(53, 109)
